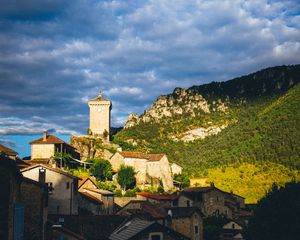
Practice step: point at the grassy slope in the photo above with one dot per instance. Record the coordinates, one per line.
(267, 131)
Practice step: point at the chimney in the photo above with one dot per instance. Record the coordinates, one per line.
(212, 184)
(42, 175)
(45, 136)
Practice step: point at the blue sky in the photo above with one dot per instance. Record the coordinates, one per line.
(55, 55)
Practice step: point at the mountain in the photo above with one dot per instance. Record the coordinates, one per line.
(248, 121)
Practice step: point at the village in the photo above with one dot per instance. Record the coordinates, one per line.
(44, 199)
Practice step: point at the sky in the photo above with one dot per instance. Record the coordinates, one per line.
(55, 55)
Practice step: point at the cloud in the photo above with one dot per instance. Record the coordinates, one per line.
(56, 55)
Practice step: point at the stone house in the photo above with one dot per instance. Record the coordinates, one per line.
(34, 195)
(232, 231)
(62, 188)
(44, 148)
(176, 169)
(106, 198)
(92, 199)
(8, 152)
(149, 168)
(187, 221)
(145, 230)
(11, 207)
(211, 201)
(166, 200)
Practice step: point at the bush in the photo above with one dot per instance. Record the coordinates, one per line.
(101, 169)
(130, 193)
(118, 193)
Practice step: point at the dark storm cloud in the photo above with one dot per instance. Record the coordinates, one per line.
(55, 55)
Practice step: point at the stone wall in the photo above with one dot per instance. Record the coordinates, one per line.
(62, 199)
(34, 197)
(42, 151)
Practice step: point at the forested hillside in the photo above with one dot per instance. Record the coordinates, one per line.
(258, 123)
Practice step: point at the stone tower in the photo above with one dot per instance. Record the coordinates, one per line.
(100, 115)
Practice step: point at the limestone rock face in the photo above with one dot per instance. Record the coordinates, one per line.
(91, 147)
(181, 101)
(199, 133)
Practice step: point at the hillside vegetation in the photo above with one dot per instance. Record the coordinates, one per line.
(261, 115)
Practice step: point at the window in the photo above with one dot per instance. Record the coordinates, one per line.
(217, 199)
(233, 226)
(188, 204)
(155, 236)
(50, 187)
(68, 185)
(196, 229)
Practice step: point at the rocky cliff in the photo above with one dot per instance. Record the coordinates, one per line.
(91, 147)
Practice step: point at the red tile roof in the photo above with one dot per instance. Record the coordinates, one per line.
(143, 208)
(158, 197)
(50, 139)
(7, 150)
(151, 157)
(198, 189)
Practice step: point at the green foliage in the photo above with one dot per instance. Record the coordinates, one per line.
(101, 169)
(67, 161)
(277, 214)
(183, 178)
(118, 193)
(264, 128)
(160, 188)
(80, 172)
(107, 185)
(130, 193)
(126, 177)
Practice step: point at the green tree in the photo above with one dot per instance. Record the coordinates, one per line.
(126, 177)
(213, 227)
(277, 214)
(101, 169)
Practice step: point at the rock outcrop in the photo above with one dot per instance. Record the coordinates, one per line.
(91, 147)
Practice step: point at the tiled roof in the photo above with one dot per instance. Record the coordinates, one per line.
(35, 161)
(49, 168)
(158, 197)
(7, 150)
(150, 157)
(142, 208)
(84, 179)
(198, 189)
(90, 197)
(137, 228)
(130, 229)
(183, 212)
(50, 139)
(100, 191)
(91, 226)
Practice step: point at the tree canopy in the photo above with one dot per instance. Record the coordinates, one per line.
(126, 177)
(277, 215)
(101, 169)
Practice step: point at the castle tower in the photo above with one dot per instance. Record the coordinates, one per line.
(100, 115)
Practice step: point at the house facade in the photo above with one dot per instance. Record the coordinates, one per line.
(45, 148)
(212, 201)
(187, 221)
(149, 168)
(34, 195)
(62, 188)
